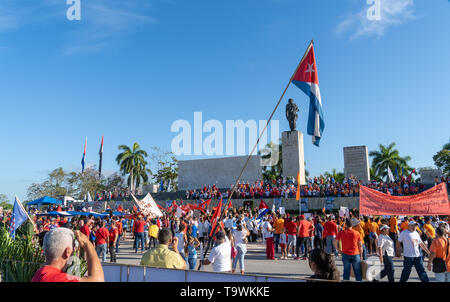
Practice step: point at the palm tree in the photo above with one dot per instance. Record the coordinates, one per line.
(338, 176)
(132, 162)
(388, 156)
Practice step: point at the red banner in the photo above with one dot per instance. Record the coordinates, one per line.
(429, 203)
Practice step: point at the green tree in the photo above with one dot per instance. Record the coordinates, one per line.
(271, 170)
(442, 159)
(388, 156)
(166, 166)
(4, 202)
(338, 176)
(132, 162)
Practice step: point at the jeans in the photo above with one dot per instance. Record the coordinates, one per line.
(355, 262)
(394, 238)
(146, 239)
(408, 263)
(241, 249)
(276, 239)
(112, 252)
(153, 242)
(330, 247)
(442, 277)
(388, 268)
(192, 263)
(101, 251)
(117, 243)
(364, 254)
(302, 241)
(139, 238)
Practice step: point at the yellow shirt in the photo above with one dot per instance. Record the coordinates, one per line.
(162, 257)
(278, 225)
(428, 227)
(393, 224)
(153, 231)
(360, 231)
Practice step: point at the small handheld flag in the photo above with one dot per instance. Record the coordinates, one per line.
(18, 217)
(307, 80)
(263, 209)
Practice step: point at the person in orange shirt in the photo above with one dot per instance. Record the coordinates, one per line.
(373, 226)
(404, 224)
(278, 225)
(351, 250)
(393, 229)
(440, 248)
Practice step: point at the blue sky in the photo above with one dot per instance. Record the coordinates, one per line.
(128, 69)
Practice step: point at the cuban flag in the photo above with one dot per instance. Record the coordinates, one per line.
(18, 217)
(307, 80)
(263, 210)
(83, 159)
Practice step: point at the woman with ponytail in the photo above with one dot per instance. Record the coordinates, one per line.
(323, 266)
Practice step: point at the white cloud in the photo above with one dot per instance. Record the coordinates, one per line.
(392, 12)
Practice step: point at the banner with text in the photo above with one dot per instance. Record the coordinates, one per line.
(429, 203)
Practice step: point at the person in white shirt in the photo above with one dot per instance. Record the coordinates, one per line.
(411, 252)
(386, 252)
(220, 256)
(240, 235)
(267, 231)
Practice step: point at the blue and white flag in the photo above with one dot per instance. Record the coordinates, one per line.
(19, 216)
(83, 160)
(390, 175)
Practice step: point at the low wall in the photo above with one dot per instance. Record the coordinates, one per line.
(135, 273)
(314, 203)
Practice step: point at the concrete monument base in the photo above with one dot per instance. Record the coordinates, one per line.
(293, 155)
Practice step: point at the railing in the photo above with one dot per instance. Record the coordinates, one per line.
(136, 273)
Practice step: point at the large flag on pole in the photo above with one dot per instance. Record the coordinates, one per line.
(307, 80)
(100, 153)
(83, 160)
(18, 217)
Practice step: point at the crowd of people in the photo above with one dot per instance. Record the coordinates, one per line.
(315, 187)
(174, 241)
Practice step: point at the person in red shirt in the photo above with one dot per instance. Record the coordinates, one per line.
(120, 229)
(101, 240)
(330, 231)
(85, 229)
(291, 231)
(139, 234)
(58, 247)
(303, 231)
(113, 238)
(351, 250)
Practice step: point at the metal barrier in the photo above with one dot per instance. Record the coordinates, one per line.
(136, 273)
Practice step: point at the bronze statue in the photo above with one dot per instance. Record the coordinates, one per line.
(291, 114)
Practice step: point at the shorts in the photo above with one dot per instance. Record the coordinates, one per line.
(292, 240)
(282, 245)
(372, 235)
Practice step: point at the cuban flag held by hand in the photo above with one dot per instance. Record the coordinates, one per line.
(307, 80)
(263, 209)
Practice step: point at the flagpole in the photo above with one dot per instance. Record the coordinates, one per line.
(256, 144)
(32, 222)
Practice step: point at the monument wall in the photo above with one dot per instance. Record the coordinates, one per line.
(356, 163)
(427, 175)
(194, 174)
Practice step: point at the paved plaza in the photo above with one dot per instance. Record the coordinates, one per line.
(256, 264)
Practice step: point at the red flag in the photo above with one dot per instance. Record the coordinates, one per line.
(215, 217)
(59, 209)
(230, 205)
(135, 209)
(120, 208)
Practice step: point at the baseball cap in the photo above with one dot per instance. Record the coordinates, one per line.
(383, 227)
(412, 222)
(302, 216)
(355, 222)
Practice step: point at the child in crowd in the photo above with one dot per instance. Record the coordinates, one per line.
(283, 244)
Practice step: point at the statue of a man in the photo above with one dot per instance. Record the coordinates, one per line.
(291, 114)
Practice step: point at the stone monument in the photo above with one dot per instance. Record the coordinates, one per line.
(356, 163)
(292, 146)
(427, 176)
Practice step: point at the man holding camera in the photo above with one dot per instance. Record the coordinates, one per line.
(59, 245)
